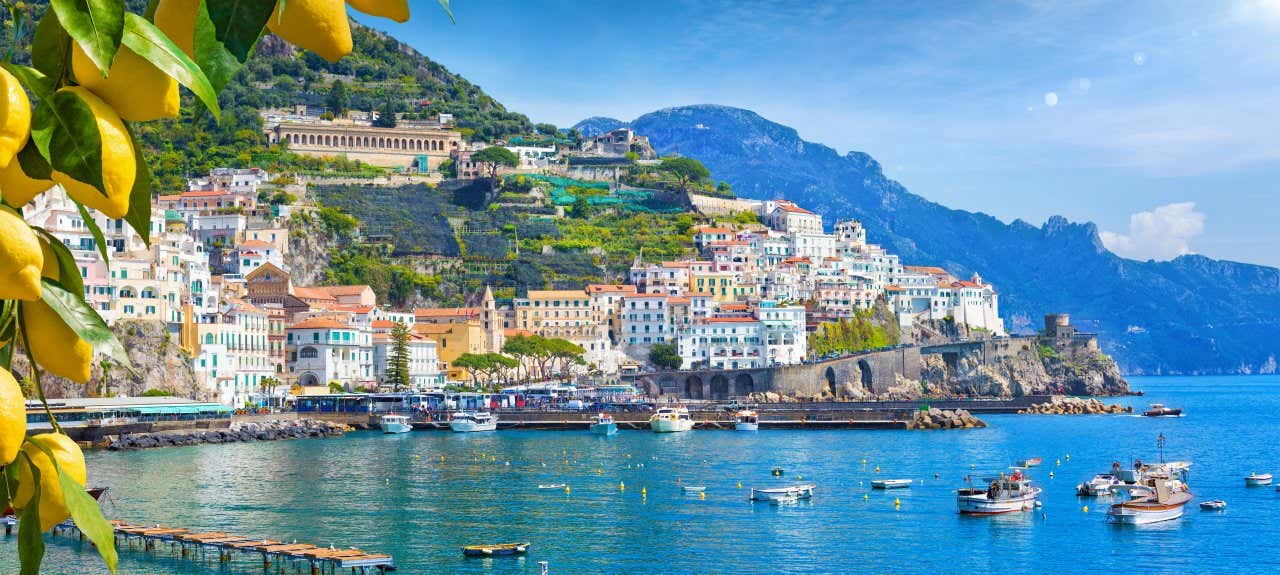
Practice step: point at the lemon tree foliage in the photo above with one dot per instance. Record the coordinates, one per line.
(80, 81)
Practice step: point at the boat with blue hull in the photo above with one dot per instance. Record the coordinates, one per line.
(603, 424)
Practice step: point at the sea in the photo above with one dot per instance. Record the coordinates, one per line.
(422, 496)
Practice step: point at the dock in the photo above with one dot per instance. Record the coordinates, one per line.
(701, 424)
(203, 544)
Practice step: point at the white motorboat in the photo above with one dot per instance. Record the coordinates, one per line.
(1215, 505)
(1101, 484)
(1257, 479)
(395, 424)
(1164, 504)
(693, 488)
(603, 424)
(671, 420)
(468, 421)
(891, 483)
(1004, 495)
(746, 420)
(552, 485)
(793, 492)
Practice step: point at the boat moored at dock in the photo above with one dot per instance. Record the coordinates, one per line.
(470, 421)
(395, 424)
(746, 420)
(671, 420)
(602, 424)
(1101, 484)
(1008, 494)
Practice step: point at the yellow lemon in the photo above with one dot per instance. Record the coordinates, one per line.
(118, 168)
(137, 89)
(54, 345)
(177, 19)
(20, 258)
(18, 189)
(53, 508)
(397, 10)
(15, 117)
(317, 25)
(13, 417)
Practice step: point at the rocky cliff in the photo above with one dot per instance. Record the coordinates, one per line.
(1026, 367)
(158, 363)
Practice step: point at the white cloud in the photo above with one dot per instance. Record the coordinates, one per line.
(1160, 234)
(1051, 99)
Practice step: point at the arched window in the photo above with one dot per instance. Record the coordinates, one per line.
(148, 293)
(308, 353)
(208, 339)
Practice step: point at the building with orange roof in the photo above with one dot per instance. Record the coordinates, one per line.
(324, 350)
(769, 335)
(234, 353)
(670, 278)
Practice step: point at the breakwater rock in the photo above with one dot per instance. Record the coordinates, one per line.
(238, 432)
(1075, 406)
(936, 418)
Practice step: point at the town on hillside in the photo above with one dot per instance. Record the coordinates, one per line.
(761, 283)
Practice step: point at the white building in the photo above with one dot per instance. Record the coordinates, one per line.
(235, 353)
(645, 320)
(324, 350)
(424, 361)
(775, 335)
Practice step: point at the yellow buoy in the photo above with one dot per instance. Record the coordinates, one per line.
(599, 471)
(864, 497)
(864, 461)
(1068, 457)
(566, 489)
(877, 469)
(1059, 462)
(644, 491)
(622, 486)
(416, 457)
(702, 495)
(1086, 509)
(799, 478)
(739, 485)
(1050, 474)
(897, 502)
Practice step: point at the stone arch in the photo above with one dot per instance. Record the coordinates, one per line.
(868, 376)
(311, 139)
(830, 376)
(744, 384)
(308, 353)
(693, 387)
(719, 387)
(308, 380)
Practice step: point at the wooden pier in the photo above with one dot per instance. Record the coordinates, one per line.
(199, 545)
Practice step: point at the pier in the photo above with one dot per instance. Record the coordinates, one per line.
(200, 545)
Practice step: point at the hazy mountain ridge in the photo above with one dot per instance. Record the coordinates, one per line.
(1189, 315)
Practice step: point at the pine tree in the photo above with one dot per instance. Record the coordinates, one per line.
(398, 360)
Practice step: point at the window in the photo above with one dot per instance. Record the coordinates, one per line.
(308, 353)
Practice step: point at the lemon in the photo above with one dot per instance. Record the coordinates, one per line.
(118, 168)
(53, 508)
(317, 25)
(177, 19)
(137, 89)
(18, 189)
(13, 417)
(15, 117)
(54, 345)
(397, 10)
(20, 258)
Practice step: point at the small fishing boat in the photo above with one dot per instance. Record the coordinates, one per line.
(1257, 479)
(1215, 505)
(1165, 503)
(1101, 484)
(602, 424)
(891, 483)
(1004, 495)
(801, 491)
(395, 424)
(746, 420)
(693, 488)
(552, 486)
(1032, 462)
(1161, 410)
(671, 420)
(469, 421)
(496, 550)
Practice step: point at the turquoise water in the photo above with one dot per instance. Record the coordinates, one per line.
(394, 494)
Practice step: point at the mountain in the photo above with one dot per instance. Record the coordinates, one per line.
(597, 125)
(1189, 315)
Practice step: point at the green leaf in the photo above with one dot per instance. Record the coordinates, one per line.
(139, 215)
(51, 46)
(88, 517)
(98, 238)
(238, 23)
(33, 164)
(33, 79)
(96, 25)
(66, 131)
(147, 41)
(447, 10)
(218, 64)
(84, 320)
(68, 271)
(30, 540)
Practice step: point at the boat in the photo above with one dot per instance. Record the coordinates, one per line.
(602, 424)
(746, 420)
(467, 421)
(1101, 484)
(499, 549)
(395, 424)
(1004, 495)
(1161, 410)
(1215, 505)
(693, 488)
(1140, 471)
(1257, 479)
(1165, 503)
(1032, 462)
(671, 420)
(891, 483)
(552, 485)
(801, 491)
(787, 499)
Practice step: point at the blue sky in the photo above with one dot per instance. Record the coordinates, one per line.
(1156, 120)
